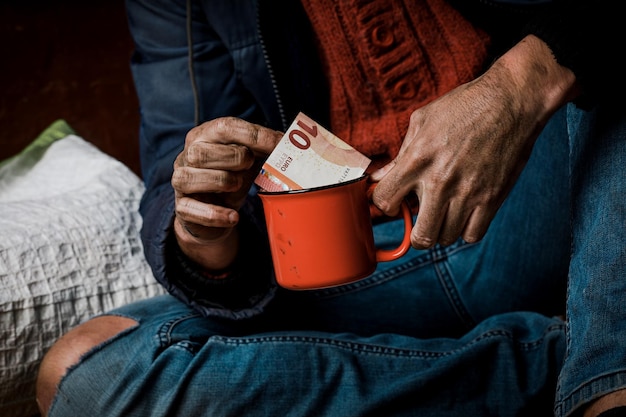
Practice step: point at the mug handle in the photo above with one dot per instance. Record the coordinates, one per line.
(384, 255)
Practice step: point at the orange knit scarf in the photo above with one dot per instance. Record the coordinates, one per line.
(386, 58)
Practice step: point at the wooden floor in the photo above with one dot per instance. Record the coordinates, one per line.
(67, 59)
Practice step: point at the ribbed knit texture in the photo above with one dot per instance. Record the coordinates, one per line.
(385, 59)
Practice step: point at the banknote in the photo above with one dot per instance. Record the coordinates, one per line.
(308, 156)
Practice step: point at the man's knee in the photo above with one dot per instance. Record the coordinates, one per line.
(68, 350)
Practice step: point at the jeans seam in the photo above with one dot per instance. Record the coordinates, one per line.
(444, 275)
(381, 350)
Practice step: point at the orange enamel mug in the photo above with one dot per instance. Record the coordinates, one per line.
(322, 237)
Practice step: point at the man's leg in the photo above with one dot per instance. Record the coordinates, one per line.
(596, 305)
(68, 350)
(176, 363)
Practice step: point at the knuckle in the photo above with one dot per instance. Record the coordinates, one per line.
(221, 125)
(180, 178)
(423, 242)
(415, 117)
(241, 156)
(382, 202)
(192, 156)
(195, 154)
(182, 210)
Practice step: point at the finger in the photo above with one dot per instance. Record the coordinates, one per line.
(228, 130)
(194, 233)
(391, 191)
(219, 156)
(425, 233)
(189, 180)
(478, 224)
(192, 211)
(454, 223)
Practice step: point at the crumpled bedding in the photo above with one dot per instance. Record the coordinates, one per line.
(69, 249)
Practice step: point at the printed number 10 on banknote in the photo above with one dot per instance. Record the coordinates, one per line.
(310, 156)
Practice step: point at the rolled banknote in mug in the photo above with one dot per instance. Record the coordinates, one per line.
(310, 156)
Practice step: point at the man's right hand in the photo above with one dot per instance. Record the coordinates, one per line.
(212, 176)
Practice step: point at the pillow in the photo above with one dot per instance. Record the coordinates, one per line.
(69, 249)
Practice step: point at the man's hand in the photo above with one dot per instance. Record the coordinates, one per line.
(212, 176)
(464, 151)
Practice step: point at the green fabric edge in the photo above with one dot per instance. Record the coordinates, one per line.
(35, 150)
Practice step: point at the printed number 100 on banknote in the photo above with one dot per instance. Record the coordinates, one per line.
(310, 156)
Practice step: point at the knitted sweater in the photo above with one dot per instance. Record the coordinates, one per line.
(384, 59)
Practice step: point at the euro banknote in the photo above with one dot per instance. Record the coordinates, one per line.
(308, 156)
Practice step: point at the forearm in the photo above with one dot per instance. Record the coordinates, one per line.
(539, 83)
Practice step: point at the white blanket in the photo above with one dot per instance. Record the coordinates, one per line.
(69, 249)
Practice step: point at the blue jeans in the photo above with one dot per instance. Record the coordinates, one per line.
(468, 329)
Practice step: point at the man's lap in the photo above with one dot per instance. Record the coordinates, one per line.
(178, 363)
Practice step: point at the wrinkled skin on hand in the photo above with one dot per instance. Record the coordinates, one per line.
(212, 176)
(463, 152)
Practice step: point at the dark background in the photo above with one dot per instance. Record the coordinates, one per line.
(67, 59)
